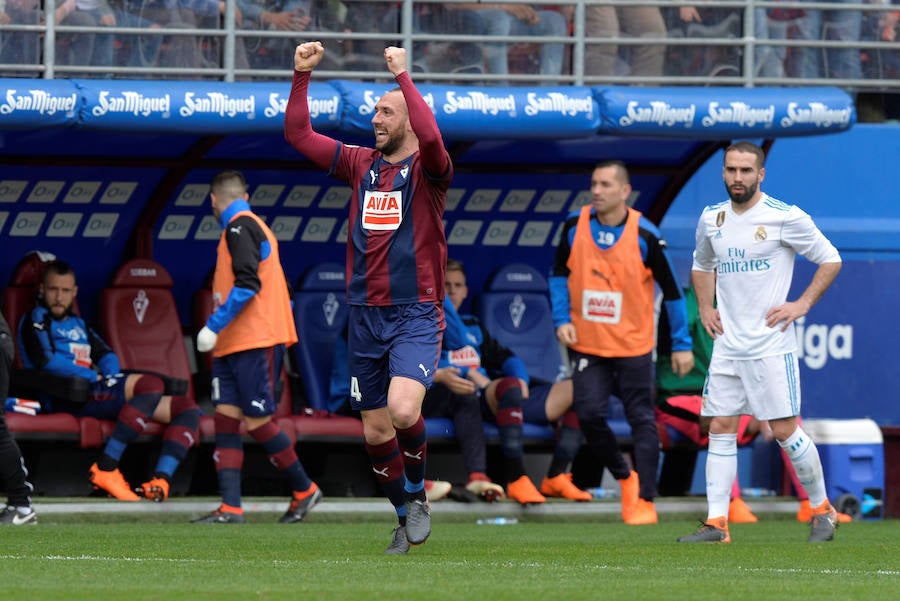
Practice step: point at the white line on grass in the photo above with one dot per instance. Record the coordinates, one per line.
(533, 564)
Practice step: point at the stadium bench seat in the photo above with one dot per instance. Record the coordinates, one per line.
(514, 306)
(139, 320)
(320, 313)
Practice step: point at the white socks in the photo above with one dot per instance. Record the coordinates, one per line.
(805, 457)
(721, 470)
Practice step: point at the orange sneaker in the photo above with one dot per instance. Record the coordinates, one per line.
(739, 512)
(631, 487)
(805, 514)
(561, 486)
(156, 489)
(524, 491)
(644, 513)
(713, 530)
(112, 482)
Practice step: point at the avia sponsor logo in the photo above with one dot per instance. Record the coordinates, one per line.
(738, 113)
(317, 106)
(38, 101)
(815, 113)
(479, 102)
(658, 112)
(217, 103)
(557, 102)
(133, 103)
(818, 342)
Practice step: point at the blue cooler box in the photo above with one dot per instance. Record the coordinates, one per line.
(852, 453)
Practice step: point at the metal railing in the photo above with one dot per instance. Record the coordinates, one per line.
(856, 46)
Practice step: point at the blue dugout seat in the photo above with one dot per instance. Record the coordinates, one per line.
(515, 308)
(320, 312)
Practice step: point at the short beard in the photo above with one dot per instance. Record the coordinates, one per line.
(744, 197)
(390, 146)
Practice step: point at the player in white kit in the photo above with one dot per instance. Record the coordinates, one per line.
(742, 270)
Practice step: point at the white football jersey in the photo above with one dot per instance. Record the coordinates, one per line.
(752, 255)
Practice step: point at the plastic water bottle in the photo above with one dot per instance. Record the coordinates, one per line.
(755, 493)
(603, 493)
(498, 521)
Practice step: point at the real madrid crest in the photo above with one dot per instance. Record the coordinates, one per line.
(760, 234)
(720, 218)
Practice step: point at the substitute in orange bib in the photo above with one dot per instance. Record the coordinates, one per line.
(247, 334)
(602, 291)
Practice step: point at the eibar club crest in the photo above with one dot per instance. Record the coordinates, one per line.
(330, 308)
(516, 310)
(140, 304)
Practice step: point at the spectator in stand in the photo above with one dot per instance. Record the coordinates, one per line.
(815, 25)
(53, 338)
(13, 475)
(645, 60)
(768, 60)
(25, 47)
(493, 383)
(179, 51)
(286, 15)
(517, 20)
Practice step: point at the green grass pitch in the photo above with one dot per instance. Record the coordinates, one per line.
(568, 557)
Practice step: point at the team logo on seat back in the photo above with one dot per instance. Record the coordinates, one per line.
(517, 310)
(140, 304)
(330, 308)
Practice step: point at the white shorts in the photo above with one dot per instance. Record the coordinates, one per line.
(767, 388)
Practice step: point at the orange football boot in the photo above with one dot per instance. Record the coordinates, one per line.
(112, 482)
(524, 491)
(561, 486)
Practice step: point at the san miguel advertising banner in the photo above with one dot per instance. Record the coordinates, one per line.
(463, 113)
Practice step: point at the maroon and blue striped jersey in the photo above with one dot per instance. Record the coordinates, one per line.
(396, 247)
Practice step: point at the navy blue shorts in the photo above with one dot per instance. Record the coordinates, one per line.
(105, 401)
(386, 342)
(247, 380)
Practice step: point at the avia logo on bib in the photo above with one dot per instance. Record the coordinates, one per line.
(817, 342)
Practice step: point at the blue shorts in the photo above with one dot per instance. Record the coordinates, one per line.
(386, 342)
(105, 402)
(247, 380)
